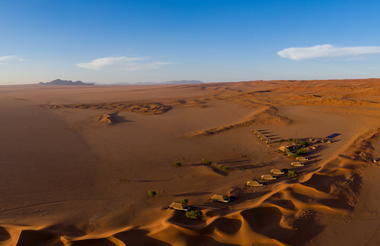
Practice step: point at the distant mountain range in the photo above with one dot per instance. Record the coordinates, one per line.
(70, 82)
(65, 82)
(173, 82)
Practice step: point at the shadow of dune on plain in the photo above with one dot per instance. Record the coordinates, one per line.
(266, 221)
(142, 180)
(41, 237)
(138, 237)
(4, 234)
(193, 194)
(93, 242)
(204, 241)
(284, 203)
(226, 225)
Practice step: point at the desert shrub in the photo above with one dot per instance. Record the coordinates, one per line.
(178, 164)
(194, 214)
(185, 202)
(224, 168)
(303, 143)
(292, 173)
(152, 193)
(301, 152)
(207, 162)
(292, 154)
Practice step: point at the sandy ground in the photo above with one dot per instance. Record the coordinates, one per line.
(77, 163)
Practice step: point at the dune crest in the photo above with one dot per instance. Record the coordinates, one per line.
(264, 115)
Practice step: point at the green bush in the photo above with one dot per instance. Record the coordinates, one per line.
(152, 193)
(185, 202)
(303, 143)
(178, 164)
(194, 214)
(292, 173)
(301, 152)
(292, 154)
(207, 162)
(224, 168)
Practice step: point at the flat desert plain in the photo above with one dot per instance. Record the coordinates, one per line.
(100, 165)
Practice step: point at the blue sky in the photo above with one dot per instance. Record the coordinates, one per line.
(110, 41)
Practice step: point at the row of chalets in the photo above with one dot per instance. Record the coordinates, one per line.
(295, 148)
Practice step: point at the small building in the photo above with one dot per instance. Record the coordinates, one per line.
(283, 148)
(179, 206)
(253, 183)
(267, 177)
(220, 198)
(301, 158)
(297, 164)
(276, 172)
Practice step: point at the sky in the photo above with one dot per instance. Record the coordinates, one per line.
(113, 41)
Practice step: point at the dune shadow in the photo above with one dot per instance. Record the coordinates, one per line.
(217, 210)
(232, 161)
(312, 161)
(204, 241)
(288, 204)
(193, 194)
(4, 234)
(312, 157)
(333, 135)
(266, 221)
(138, 237)
(93, 242)
(41, 237)
(142, 180)
(323, 182)
(226, 225)
(246, 167)
(307, 228)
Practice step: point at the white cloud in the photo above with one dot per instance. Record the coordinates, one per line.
(122, 63)
(326, 51)
(7, 59)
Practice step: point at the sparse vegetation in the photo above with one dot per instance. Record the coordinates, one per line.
(292, 173)
(304, 143)
(224, 168)
(301, 152)
(151, 193)
(185, 202)
(301, 143)
(206, 162)
(178, 164)
(194, 214)
(290, 154)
